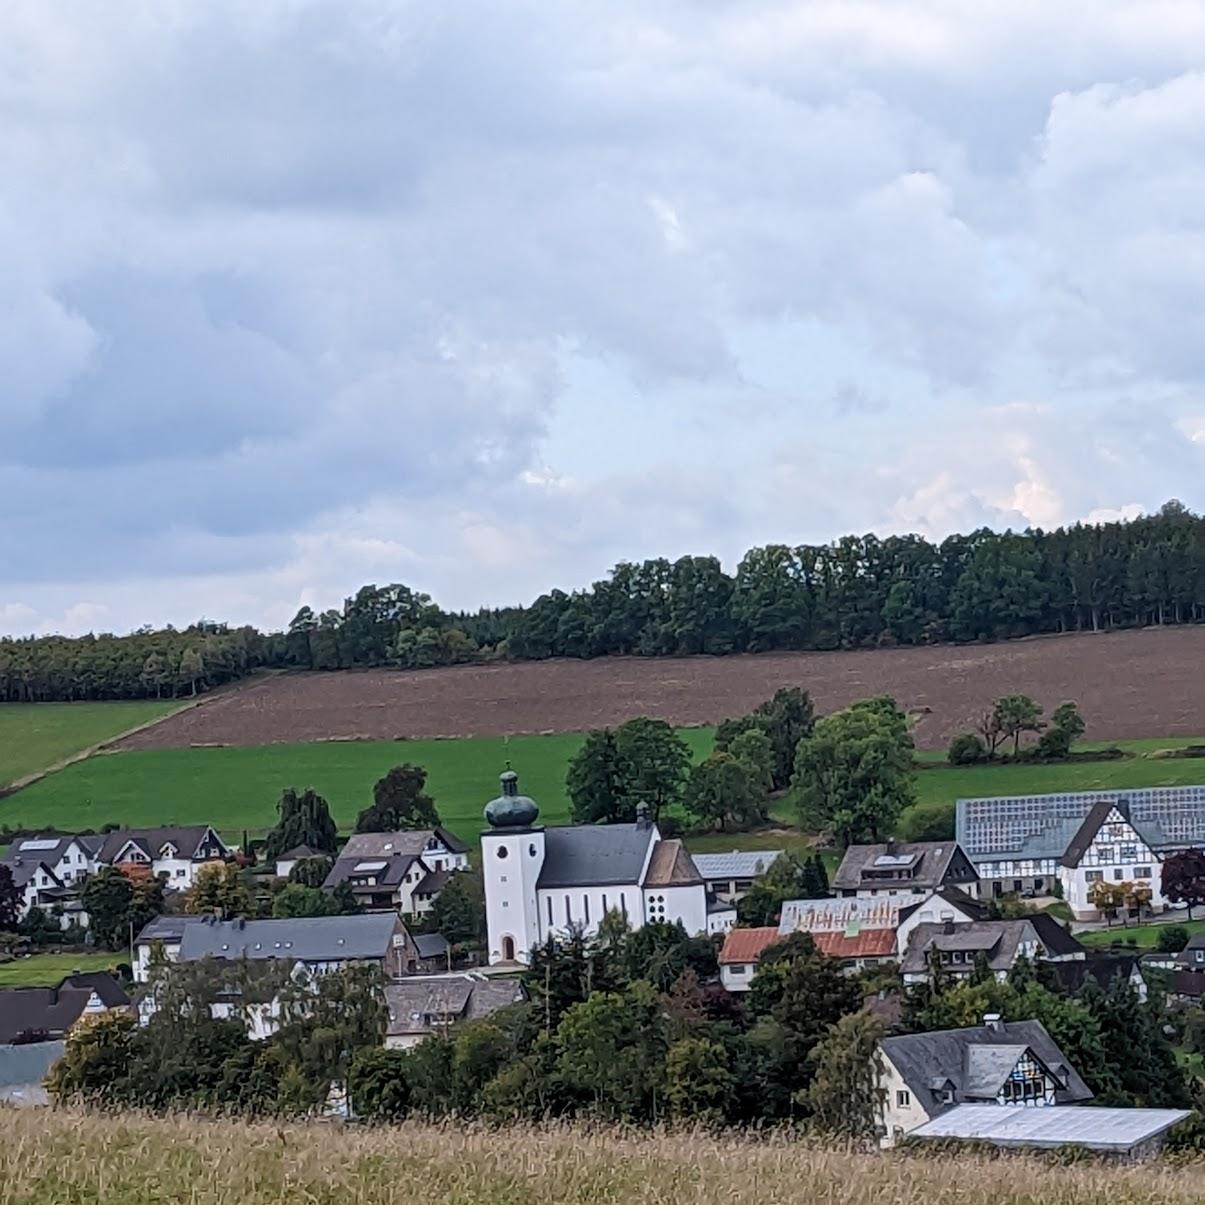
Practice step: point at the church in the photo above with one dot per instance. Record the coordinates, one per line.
(543, 882)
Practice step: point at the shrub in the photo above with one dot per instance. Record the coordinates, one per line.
(1172, 939)
(966, 749)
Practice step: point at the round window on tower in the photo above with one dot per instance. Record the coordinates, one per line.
(502, 851)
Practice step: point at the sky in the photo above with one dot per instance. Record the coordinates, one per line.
(483, 297)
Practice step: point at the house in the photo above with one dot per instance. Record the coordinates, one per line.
(997, 945)
(35, 881)
(1017, 843)
(163, 934)
(67, 859)
(740, 954)
(1107, 848)
(543, 882)
(286, 861)
(1188, 971)
(942, 907)
(434, 953)
(859, 931)
(23, 1070)
(1192, 957)
(730, 875)
(1129, 1134)
(434, 1004)
(924, 1075)
(39, 1014)
(173, 854)
(904, 868)
(319, 944)
(1073, 975)
(403, 871)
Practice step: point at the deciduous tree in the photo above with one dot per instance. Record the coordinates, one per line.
(399, 802)
(1182, 878)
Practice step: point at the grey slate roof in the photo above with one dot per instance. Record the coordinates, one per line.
(431, 945)
(1072, 976)
(460, 997)
(594, 854)
(999, 939)
(309, 939)
(21, 1065)
(1011, 827)
(168, 928)
(931, 859)
(434, 882)
(54, 1010)
(298, 853)
(1193, 955)
(388, 876)
(24, 870)
(406, 841)
(186, 838)
(923, 1058)
(737, 864)
(39, 849)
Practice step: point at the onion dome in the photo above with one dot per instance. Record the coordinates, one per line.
(510, 809)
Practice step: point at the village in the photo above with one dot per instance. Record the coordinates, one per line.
(908, 934)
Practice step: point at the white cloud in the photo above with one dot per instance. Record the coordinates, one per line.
(290, 287)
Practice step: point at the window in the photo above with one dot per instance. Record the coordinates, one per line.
(550, 921)
(1142, 872)
(623, 903)
(604, 903)
(568, 913)
(502, 851)
(180, 873)
(902, 1099)
(586, 908)
(1119, 874)
(1093, 876)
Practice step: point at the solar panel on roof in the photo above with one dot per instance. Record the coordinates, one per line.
(40, 843)
(361, 866)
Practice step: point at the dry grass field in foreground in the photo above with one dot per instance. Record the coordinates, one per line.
(67, 1159)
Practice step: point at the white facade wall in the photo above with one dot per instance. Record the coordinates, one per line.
(511, 862)
(934, 910)
(584, 907)
(721, 922)
(685, 904)
(737, 976)
(900, 1111)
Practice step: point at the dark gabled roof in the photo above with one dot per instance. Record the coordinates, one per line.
(1056, 938)
(953, 896)
(671, 866)
(41, 849)
(1072, 975)
(462, 997)
(434, 883)
(54, 1010)
(1189, 983)
(168, 928)
(931, 860)
(405, 841)
(298, 853)
(1187, 957)
(431, 945)
(594, 855)
(186, 839)
(1086, 833)
(920, 1058)
(367, 935)
(107, 988)
(24, 870)
(389, 871)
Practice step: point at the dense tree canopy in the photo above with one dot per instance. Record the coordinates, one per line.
(305, 819)
(857, 592)
(399, 801)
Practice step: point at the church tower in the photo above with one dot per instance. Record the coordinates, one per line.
(512, 855)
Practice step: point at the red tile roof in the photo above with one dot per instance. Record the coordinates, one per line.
(869, 943)
(746, 945)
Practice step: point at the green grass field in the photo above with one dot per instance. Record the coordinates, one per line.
(48, 970)
(236, 788)
(1145, 937)
(36, 735)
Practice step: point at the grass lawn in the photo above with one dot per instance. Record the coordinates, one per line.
(1145, 936)
(237, 788)
(36, 735)
(47, 970)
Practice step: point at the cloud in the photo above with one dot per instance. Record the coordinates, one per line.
(299, 295)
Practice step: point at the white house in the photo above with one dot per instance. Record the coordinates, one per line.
(730, 875)
(404, 871)
(959, 948)
(175, 854)
(924, 1075)
(1107, 847)
(947, 906)
(542, 882)
(69, 859)
(1018, 843)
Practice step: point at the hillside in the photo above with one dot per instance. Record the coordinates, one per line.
(1134, 684)
(49, 1158)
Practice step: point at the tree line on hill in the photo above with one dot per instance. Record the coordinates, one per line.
(857, 592)
(627, 1026)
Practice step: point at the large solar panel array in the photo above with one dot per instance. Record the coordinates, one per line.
(1041, 825)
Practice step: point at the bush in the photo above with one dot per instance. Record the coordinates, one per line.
(1172, 939)
(966, 749)
(1053, 745)
(932, 821)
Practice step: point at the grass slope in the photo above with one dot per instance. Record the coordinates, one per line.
(236, 788)
(48, 1158)
(1144, 937)
(36, 735)
(48, 970)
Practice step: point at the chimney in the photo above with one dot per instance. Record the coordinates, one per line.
(992, 1021)
(642, 815)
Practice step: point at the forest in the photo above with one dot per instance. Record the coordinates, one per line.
(857, 592)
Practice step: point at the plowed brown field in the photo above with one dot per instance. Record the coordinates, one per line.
(1128, 684)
